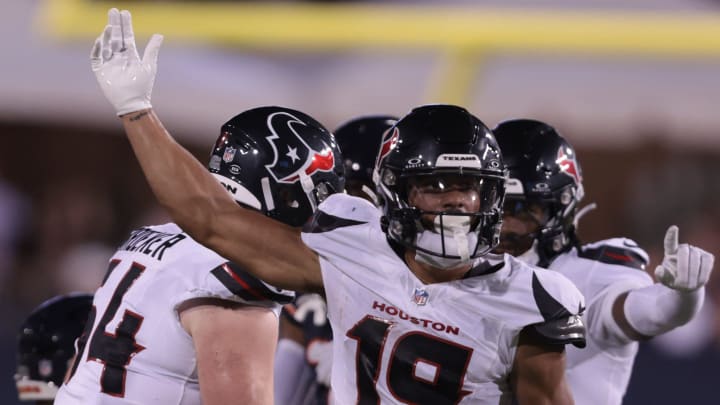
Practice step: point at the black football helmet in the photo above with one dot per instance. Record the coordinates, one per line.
(436, 140)
(359, 141)
(279, 161)
(543, 169)
(46, 345)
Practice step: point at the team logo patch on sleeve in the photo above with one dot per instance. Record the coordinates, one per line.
(248, 287)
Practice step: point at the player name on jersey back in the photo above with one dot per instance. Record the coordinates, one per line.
(151, 242)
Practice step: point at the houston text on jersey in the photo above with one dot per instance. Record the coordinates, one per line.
(426, 323)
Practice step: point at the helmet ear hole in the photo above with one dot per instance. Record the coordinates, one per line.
(389, 178)
(565, 197)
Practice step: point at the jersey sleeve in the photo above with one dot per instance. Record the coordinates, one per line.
(561, 305)
(600, 318)
(618, 266)
(227, 281)
(617, 251)
(245, 287)
(338, 228)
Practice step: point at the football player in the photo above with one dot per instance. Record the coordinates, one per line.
(624, 306)
(173, 321)
(360, 140)
(303, 361)
(46, 345)
(419, 312)
(304, 357)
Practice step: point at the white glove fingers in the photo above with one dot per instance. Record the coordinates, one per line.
(702, 273)
(128, 35)
(150, 56)
(116, 34)
(96, 53)
(671, 240)
(686, 269)
(105, 50)
(695, 258)
(127, 28)
(660, 274)
(124, 80)
(706, 264)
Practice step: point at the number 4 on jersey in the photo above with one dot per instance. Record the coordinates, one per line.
(115, 350)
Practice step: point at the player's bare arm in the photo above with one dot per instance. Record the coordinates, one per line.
(194, 199)
(224, 363)
(538, 375)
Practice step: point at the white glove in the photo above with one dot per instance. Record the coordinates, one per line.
(125, 80)
(314, 303)
(320, 355)
(684, 267)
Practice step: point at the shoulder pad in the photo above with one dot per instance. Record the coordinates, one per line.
(341, 210)
(618, 251)
(247, 287)
(555, 296)
(562, 331)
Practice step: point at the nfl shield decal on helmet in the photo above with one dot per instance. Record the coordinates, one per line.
(229, 154)
(45, 367)
(293, 156)
(420, 296)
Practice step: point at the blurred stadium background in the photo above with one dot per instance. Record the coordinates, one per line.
(633, 85)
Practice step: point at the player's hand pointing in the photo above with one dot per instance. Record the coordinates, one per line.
(684, 267)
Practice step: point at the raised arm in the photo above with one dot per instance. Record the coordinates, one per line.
(266, 248)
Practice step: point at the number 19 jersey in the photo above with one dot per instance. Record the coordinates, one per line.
(134, 349)
(398, 340)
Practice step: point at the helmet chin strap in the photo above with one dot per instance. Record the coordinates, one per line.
(308, 185)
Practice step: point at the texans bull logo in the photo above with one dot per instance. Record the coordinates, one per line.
(569, 165)
(293, 156)
(389, 141)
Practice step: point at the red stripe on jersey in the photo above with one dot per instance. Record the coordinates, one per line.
(245, 285)
(616, 256)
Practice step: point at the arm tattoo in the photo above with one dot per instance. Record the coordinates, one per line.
(139, 116)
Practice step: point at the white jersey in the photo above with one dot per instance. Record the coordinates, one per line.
(599, 373)
(137, 351)
(397, 340)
